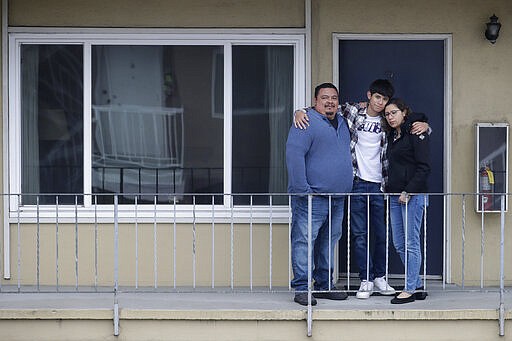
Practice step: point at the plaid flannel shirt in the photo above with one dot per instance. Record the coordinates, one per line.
(356, 116)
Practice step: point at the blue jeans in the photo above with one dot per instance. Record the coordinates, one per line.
(411, 231)
(376, 258)
(322, 268)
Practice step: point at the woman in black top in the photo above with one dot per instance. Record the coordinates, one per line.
(409, 167)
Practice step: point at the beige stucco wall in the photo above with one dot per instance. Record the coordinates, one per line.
(228, 330)
(157, 13)
(481, 80)
(481, 72)
(91, 253)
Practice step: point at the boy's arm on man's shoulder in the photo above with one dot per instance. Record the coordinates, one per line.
(350, 108)
(301, 118)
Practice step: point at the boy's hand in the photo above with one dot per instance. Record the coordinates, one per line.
(300, 119)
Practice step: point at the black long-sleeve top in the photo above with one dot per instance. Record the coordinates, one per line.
(409, 159)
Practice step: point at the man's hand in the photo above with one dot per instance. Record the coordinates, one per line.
(300, 119)
(419, 128)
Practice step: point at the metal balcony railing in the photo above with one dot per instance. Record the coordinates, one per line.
(92, 247)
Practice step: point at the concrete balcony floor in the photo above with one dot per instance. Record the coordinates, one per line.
(205, 305)
(451, 298)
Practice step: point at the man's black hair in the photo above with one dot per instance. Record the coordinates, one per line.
(383, 87)
(325, 86)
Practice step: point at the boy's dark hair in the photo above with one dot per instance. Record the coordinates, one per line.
(325, 86)
(383, 87)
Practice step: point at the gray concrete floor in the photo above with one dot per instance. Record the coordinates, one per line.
(449, 298)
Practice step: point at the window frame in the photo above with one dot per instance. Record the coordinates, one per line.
(90, 37)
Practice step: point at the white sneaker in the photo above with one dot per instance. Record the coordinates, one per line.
(365, 290)
(383, 287)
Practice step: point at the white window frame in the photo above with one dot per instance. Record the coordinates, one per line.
(89, 37)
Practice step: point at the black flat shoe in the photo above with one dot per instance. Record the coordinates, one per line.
(302, 298)
(420, 295)
(397, 300)
(331, 295)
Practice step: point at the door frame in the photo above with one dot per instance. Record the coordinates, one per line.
(447, 133)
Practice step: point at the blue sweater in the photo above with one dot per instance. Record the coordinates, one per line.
(318, 158)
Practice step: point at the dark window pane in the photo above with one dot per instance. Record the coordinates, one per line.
(262, 111)
(52, 122)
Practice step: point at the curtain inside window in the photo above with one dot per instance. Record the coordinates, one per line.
(29, 121)
(280, 103)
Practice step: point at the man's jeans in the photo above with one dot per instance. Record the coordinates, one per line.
(413, 218)
(322, 266)
(376, 258)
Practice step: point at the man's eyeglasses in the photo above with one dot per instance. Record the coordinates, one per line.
(391, 113)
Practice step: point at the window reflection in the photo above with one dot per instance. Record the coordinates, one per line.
(52, 122)
(153, 128)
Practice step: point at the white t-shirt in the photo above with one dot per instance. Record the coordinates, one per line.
(368, 149)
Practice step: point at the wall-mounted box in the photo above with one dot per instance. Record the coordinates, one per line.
(491, 166)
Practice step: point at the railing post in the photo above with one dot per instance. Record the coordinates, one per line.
(270, 244)
(445, 240)
(116, 265)
(368, 238)
(194, 242)
(463, 237)
(231, 245)
(213, 243)
(38, 257)
(76, 244)
(56, 243)
(251, 245)
(482, 244)
(289, 242)
(330, 238)
(18, 243)
(155, 244)
(310, 253)
(502, 253)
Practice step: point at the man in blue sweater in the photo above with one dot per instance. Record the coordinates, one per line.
(319, 162)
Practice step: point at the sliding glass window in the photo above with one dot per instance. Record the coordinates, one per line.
(153, 119)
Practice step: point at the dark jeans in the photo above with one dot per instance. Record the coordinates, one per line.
(371, 264)
(322, 262)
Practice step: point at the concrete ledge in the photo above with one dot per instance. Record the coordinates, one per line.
(56, 314)
(231, 315)
(446, 316)
(318, 315)
(250, 315)
(465, 314)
